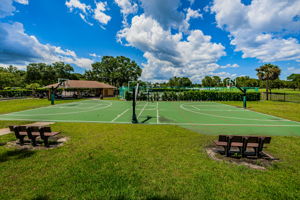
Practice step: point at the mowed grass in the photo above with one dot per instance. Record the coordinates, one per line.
(25, 104)
(111, 161)
(285, 110)
(286, 90)
(107, 161)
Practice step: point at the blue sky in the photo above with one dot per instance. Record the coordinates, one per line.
(191, 38)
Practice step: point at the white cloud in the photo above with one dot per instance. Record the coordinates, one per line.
(25, 2)
(7, 8)
(294, 70)
(165, 12)
(99, 14)
(19, 48)
(193, 14)
(86, 12)
(192, 2)
(127, 8)
(169, 54)
(73, 4)
(85, 20)
(261, 30)
(95, 55)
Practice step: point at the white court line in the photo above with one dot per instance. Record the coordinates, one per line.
(237, 110)
(142, 110)
(16, 114)
(118, 116)
(182, 106)
(157, 115)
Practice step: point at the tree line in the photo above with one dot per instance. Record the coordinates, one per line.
(120, 70)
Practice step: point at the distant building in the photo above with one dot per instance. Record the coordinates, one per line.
(82, 88)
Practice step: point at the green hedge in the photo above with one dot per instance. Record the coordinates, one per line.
(196, 96)
(20, 92)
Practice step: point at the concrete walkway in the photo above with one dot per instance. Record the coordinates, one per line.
(5, 131)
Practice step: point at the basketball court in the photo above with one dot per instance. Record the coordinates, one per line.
(204, 117)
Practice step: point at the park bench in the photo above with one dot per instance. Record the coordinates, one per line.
(243, 143)
(45, 133)
(20, 133)
(33, 132)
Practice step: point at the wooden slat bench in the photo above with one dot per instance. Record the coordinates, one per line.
(243, 143)
(33, 132)
(45, 133)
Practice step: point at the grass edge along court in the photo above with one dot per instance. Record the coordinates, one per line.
(204, 117)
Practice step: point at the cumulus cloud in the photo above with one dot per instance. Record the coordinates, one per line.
(261, 30)
(25, 2)
(86, 11)
(76, 4)
(126, 8)
(165, 12)
(294, 70)
(19, 48)
(7, 8)
(170, 54)
(99, 14)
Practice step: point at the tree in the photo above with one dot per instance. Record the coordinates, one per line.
(116, 71)
(267, 73)
(7, 80)
(180, 82)
(295, 78)
(45, 74)
(207, 81)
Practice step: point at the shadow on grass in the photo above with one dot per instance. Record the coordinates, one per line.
(41, 197)
(150, 198)
(15, 154)
(2, 143)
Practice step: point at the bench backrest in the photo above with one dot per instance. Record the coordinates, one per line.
(223, 138)
(12, 128)
(22, 128)
(34, 128)
(47, 129)
(266, 140)
(236, 138)
(252, 139)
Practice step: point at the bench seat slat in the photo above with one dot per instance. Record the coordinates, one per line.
(48, 134)
(237, 144)
(220, 143)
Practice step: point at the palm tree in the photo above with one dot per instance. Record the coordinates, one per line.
(268, 72)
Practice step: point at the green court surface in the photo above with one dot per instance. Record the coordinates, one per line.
(204, 117)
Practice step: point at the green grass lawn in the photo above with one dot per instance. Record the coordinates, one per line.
(285, 110)
(286, 90)
(110, 161)
(25, 104)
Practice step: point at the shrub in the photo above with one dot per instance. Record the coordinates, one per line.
(199, 96)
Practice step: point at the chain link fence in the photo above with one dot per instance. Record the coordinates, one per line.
(286, 97)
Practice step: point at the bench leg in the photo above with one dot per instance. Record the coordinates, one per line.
(21, 140)
(33, 141)
(227, 151)
(46, 141)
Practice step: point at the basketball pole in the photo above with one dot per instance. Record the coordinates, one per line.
(244, 91)
(134, 95)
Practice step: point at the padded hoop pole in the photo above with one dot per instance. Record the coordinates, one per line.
(134, 119)
(52, 97)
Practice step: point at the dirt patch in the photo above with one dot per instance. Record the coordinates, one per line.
(53, 143)
(262, 163)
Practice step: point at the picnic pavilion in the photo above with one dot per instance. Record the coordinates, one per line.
(83, 88)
